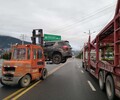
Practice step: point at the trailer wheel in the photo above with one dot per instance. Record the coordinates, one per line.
(101, 81)
(44, 74)
(56, 59)
(110, 88)
(25, 81)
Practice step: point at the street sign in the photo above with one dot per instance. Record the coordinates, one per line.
(50, 37)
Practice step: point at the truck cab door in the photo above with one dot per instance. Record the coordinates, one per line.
(40, 58)
(34, 59)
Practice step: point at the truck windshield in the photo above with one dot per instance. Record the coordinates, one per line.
(19, 54)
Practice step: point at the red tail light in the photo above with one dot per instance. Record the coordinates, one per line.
(65, 47)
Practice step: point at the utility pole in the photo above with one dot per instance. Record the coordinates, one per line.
(22, 38)
(89, 48)
(89, 32)
(10, 44)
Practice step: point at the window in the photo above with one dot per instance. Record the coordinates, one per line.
(34, 54)
(64, 43)
(39, 54)
(28, 53)
(19, 54)
(49, 44)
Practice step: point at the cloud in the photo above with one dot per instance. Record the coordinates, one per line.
(68, 18)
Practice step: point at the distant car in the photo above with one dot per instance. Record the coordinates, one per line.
(57, 51)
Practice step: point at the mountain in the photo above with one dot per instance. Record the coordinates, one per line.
(6, 41)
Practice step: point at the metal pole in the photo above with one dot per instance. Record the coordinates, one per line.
(22, 38)
(89, 46)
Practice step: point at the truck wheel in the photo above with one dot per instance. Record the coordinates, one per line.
(44, 74)
(85, 67)
(56, 58)
(3, 83)
(25, 81)
(110, 88)
(64, 60)
(83, 64)
(101, 81)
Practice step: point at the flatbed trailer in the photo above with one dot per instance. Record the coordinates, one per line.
(101, 57)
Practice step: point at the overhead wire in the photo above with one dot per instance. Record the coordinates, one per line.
(104, 24)
(69, 29)
(77, 23)
(72, 18)
(82, 19)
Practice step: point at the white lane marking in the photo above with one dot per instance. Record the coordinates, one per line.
(92, 87)
(82, 71)
(15, 96)
(55, 69)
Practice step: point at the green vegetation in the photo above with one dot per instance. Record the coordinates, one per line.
(109, 54)
(6, 55)
(80, 55)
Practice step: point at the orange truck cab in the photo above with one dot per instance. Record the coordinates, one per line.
(27, 63)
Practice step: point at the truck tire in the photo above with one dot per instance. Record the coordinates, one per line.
(101, 81)
(3, 83)
(25, 81)
(85, 67)
(83, 64)
(44, 74)
(64, 60)
(56, 59)
(110, 88)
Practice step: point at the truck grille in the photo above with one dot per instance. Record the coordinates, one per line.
(8, 75)
(9, 69)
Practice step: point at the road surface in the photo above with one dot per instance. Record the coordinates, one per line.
(67, 81)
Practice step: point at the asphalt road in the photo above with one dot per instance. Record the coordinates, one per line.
(6, 91)
(70, 82)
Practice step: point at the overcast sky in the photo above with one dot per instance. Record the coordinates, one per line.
(68, 18)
